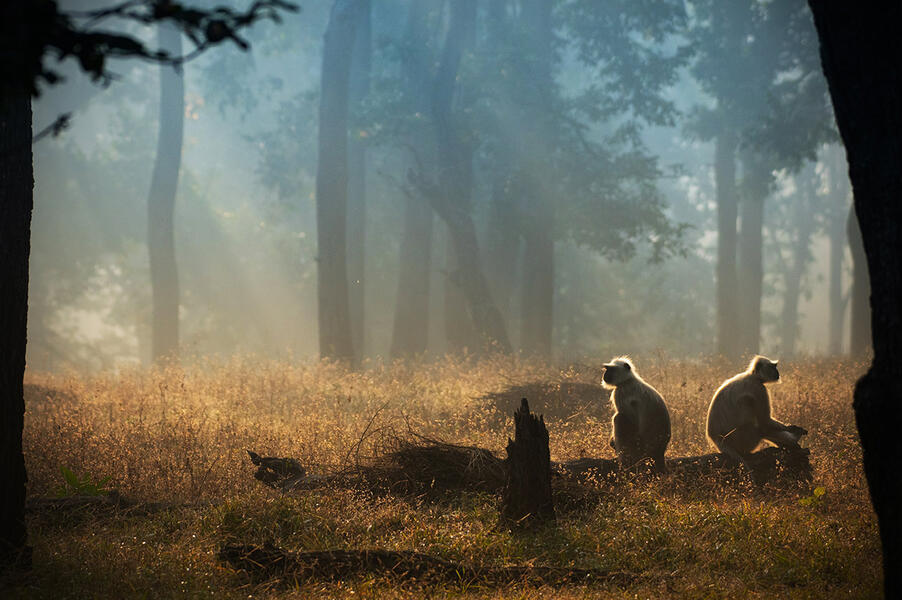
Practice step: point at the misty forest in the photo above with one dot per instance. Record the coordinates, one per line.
(380, 298)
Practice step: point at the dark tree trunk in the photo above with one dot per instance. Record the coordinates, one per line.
(538, 261)
(727, 213)
(332, 183)
(526, 499)
(164, 279)
(410, 335)
(16, 184)
(862, 61)
(359, 88)
(860, 335)
(452, 200)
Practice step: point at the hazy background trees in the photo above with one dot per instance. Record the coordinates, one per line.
(566, 178)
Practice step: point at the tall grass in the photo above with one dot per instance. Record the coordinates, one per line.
(179, 435)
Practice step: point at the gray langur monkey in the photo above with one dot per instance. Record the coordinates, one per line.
(739, 416)
(641, 423)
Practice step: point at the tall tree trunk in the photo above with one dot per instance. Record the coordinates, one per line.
(836, 233)
(860, 336)
(727, 213)
(410, 334)
(862, 61)
(756, 180)
(502, 230)
(359, 88)
(16, 197)
(459, 333)
(803, 223)
(452, 200)
(538, 262)
(164, 279)
(332, 183)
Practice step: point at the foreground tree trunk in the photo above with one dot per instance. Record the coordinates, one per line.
(332, 184)
(359, 88)
(16, 184)
(164, 279)
(860, 328)
(862, 61)
(727, 214)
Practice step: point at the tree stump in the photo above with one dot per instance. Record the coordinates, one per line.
(526, 499)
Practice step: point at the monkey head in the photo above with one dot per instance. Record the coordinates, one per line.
(618, 371)
(765, 368)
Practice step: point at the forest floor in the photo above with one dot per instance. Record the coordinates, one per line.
(179, 436)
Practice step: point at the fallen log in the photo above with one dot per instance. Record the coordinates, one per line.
(270, 562)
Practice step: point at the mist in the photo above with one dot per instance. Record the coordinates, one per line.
(561, 186)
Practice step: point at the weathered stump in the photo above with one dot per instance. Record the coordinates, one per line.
(526, 498)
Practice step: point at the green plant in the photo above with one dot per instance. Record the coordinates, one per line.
(80, 486)
(814, 499)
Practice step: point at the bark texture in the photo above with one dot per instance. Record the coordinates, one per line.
(164, 279)
(862, 61)
(332, 183)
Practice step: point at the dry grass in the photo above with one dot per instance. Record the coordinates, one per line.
(180, 436)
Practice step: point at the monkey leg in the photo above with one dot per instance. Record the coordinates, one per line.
(786, 436)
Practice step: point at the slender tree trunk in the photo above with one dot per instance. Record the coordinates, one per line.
(860, 338)
(862, 61)
(164, 279)
(16, 189)
(359, 88)
(502, 231)
(452, 200)
(727, 213)
(751, 252)
(837, 237)
(410, 335)
(459, 333)
(801, 255)
(538, 263)
(332, 183)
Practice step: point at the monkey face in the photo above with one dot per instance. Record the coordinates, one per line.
(766, 369)
(617, 371)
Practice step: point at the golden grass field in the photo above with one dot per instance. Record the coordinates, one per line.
(179, 435)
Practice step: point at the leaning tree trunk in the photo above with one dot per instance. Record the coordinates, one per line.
(16, 185)
(359, 88)
(862, 61)
(860, 334)
(164, 280)
(727, 214)
(538, 258)
(410, 333)
(332, 184)
(452, 200)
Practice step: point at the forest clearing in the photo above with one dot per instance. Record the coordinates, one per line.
(179, 437)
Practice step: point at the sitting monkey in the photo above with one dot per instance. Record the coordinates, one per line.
(641, 422)
(739, 417)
